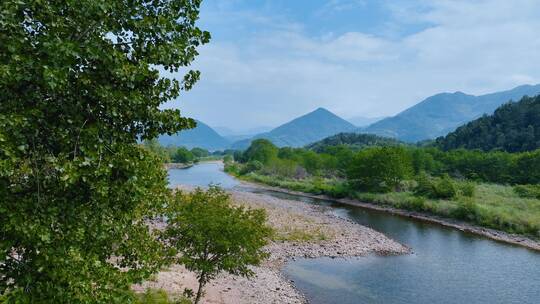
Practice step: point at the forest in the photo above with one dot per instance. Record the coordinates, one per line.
(492, 189)
(181, 155)
(514, 127)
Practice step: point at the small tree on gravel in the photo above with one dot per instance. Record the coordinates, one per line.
(210, 235)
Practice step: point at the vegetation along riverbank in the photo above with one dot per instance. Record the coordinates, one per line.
(492, 190)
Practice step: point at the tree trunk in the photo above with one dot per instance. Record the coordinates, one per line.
(199, 290)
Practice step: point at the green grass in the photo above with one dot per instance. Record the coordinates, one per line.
(491, 205)
(159, 296)
(301, 235)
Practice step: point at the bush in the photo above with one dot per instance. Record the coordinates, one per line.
(438, 188)
(200, 152)
(158, 296)
(183, 155)
(424, 186)
(417, 204)
(227, 159)
(466, 210)
(444, 188)
(251, 166)
(528, 191)
(467, 188)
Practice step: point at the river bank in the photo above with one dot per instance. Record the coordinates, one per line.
(169, 166)
(462, 226)
(302, 231)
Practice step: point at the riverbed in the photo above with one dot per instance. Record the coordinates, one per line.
(447, 265)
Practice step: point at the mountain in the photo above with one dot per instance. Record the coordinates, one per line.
(361, 121)
(442, 113)
(237, 135)
(353, 140)
(303, 130)
(226, 131)
(514, 127)
(201, 136)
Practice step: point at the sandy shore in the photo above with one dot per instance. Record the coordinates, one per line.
(493, 234)
(302, 230)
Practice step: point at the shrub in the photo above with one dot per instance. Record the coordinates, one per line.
(466, 210)
(158, 296)
(232, 168)
(251, 166)
(183, 155)
(339, 190)
(281, 167)
(528, 191)
(424, 186)
(417, 204)
(227, 159)
(444, 188)
(467, 188)
(438, 188)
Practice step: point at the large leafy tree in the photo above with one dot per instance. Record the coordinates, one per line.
(261, 150)
(80, 86)
(379, 169)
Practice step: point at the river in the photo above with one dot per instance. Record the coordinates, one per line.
(447, 266)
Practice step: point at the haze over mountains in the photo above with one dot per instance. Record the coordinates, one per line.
(236, 135)
(202, 136)
(303, 130)
(361, 121)
(433, 117)
(442, 113)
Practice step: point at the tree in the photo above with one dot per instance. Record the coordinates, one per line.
(80, 88)
(261, 150)
(228, 159)
(212, 236)
(155, 147)
(200, 152)
(183, 155)
(513, 127)
(379, 169)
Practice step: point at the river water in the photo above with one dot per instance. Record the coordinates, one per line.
(447, 266)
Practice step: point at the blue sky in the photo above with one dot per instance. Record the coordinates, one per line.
(272, 60)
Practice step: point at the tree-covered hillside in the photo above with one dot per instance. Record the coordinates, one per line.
(353, 140)
(514, 127)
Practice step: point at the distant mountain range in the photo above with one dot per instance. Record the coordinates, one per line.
(433, 117)
(303, 130)
(442, 113)
(202, 136)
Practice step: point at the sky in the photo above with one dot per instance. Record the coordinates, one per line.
(270, 61)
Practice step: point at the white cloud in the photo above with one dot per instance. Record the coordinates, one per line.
(273, 75)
